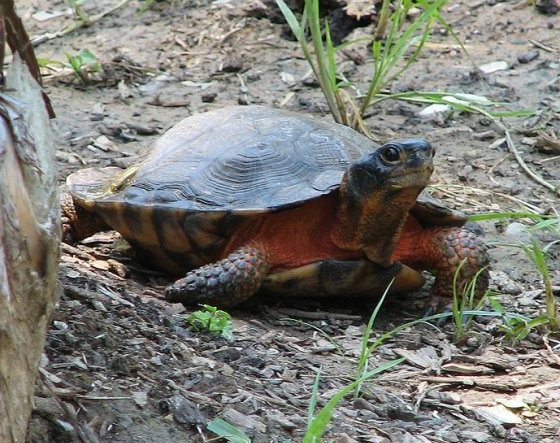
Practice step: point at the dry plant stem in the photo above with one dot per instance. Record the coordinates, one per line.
(452, 191)
(542, 46)
(2, 49)
(29, 239)
(550, 350)
(524, 166)
(80, 24)
(383, 20)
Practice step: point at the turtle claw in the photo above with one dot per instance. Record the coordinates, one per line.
(224, 283)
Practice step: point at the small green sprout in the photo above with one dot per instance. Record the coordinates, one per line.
(211, 319)
(227, 430)
(84, 64)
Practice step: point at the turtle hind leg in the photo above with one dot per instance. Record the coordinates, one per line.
(77, 223)
(224, 283)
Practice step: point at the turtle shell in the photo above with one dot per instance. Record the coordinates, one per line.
(213, 171)
(238, 159)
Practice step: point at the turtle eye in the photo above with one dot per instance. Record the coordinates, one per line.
(391, 155)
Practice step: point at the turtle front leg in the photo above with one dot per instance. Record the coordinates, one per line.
(224, 283)
(446, 251)
(461, 253)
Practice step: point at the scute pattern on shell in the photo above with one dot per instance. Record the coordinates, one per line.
(243, 159)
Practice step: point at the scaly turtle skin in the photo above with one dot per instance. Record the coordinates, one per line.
(251, 198)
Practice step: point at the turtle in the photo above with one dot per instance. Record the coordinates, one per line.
(247, 199)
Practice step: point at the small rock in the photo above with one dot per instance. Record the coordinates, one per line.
(73, 304)
(486, 135)
(103, 143)
(117, 268)
(465, 173)
(287, 78)
(60, 325)
(248, 423)
(528, 56)
(280, 419)
(344, 438)
(518, 231)
(436, 111)
(476, 436)
(233, 63)
(99, 306)
(142, 129)
(156, 360)
(491, 67)
(548, 7)
(140, 398)
(182, 409)
(100, 264)
(209, 97)
(73, 274)
(528, 141)
(498, 414)
(505, 283)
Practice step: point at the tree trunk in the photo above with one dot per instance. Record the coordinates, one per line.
(29, 245)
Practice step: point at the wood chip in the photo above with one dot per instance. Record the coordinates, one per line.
(467, 369)
(498, 414)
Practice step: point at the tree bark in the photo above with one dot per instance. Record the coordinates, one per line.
(29, 244)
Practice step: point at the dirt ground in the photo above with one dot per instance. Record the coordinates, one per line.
(123, 363)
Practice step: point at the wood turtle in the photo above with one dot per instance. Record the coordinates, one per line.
(250, 198)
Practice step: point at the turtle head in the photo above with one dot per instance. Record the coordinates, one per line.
(395, 166)
(376, 193)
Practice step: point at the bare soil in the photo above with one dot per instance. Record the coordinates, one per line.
(122, 362)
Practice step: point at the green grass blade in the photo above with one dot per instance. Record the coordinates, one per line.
(227, 431)
(320, 422)
(505, 215)
(331, 65)
(313, 400)
(292, 21)
(321, 58)
(364, 349)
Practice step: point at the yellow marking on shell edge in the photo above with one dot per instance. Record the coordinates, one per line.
(123, 179)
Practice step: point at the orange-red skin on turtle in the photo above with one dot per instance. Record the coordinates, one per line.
(297, 237)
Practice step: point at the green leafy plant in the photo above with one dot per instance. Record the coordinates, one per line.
(388, 54)
(84, 64)
(515, 326)
(227, 431)
(211, 319)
